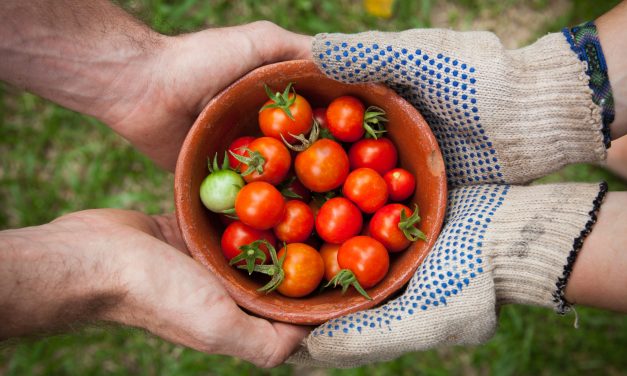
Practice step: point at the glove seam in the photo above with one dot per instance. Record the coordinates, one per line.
(563, 306)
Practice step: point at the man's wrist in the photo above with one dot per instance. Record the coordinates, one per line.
(129, 83)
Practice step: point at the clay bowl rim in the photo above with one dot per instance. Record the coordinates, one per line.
(252, 301)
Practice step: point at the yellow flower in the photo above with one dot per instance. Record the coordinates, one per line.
(379, 8)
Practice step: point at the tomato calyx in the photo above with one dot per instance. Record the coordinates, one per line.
(374, 120)
(326, 133)
(305, 142)
(250, 253)
(408, 225)
(254, 160)
(286, 189)
(275, 270)
(346, 278)
(281, 100)
(321, 198)
(230, 213)
(213, 166)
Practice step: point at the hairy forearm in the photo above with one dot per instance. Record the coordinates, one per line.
(80, 54)
(613, 37)
(599, 278)
(47, 285)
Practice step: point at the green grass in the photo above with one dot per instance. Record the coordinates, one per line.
(54, 161)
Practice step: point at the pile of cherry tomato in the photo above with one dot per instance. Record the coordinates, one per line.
(333, 203)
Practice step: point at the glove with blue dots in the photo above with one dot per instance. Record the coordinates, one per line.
(500, 116)
(500, 244)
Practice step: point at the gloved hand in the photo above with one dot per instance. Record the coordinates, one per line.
(500, 117)
(500, 244)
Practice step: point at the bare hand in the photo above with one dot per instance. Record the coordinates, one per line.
(186, 73)
(130, 268)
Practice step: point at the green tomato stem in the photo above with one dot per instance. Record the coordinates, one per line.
(282, 101)
(408, 225)
(255, 161)
(347, 278)
(275, 270)
(250, 253)
(373, 122)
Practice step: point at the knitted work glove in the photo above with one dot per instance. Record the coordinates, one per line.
(500, 244)
(500, 116)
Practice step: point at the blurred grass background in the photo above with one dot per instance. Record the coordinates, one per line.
(54, 161)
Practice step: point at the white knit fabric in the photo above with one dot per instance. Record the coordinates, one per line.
(501, 116)
(500, 244)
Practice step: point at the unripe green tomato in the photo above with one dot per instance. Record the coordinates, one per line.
(219, 189)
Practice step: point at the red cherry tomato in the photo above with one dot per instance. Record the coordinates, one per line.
(384, 226)
(323, 166)
(303, 268)
(274, 122)
(296, 224)
(366, 258)
(338, 220)
(401, 184)
(345, 116)
(276, 164)
(320, 115)
(379, 155)
(366, 188)
(260, 205)
(237, 146)
(238, 234)
(328, 251)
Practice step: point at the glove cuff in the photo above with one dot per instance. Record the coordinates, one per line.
(544, 114)
(536, 237)
(584, 41)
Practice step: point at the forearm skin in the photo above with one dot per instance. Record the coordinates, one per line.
(598, 278)
(47, 284)
(84, 55)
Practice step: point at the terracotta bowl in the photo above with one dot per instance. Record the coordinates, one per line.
(233, 113)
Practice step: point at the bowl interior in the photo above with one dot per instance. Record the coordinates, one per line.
(232, 114)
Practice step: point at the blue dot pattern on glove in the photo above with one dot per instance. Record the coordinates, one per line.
(442, 88)
(453, 263)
